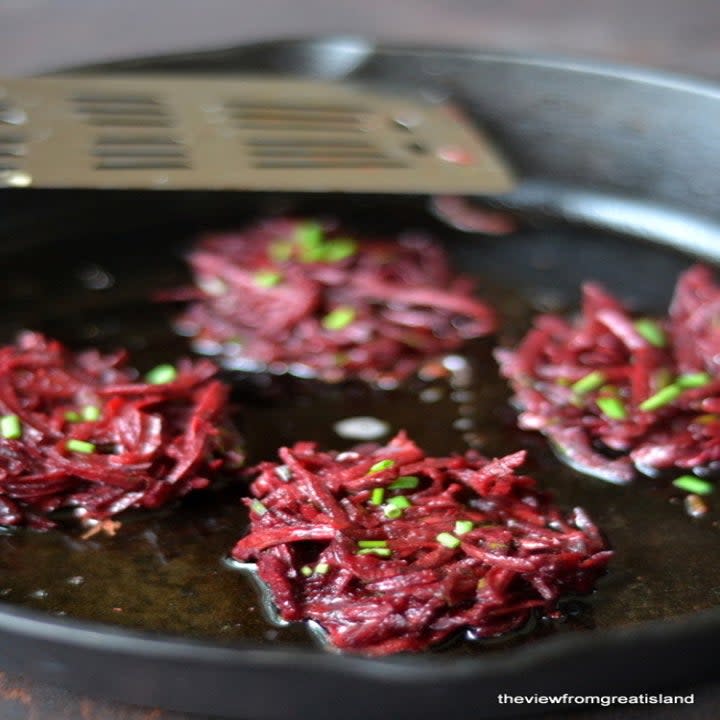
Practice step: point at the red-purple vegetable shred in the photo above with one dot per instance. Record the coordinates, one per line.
(79, 430)
(294, 295)
(617, 393)
(390, 550)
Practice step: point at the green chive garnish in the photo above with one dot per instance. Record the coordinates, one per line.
(651, 331)
(309, 234)
(382, 465)
(663, 378)
(694, 485)
(312, 254)
(396, 506)
(612, 408)
(372, 543)
(448, 540)
(91, 413)
(267, 278)
(339, 249)
(382, 552)
(311, 239)
(10, 427)
(377, 496)
(80, 446)
(661, 398)
(590, 382)
(462, 527)
(400, 501)
(72, 416)
(257, 507)
(306, 570)
(694, 380)
(161, 374)
(322, 568)
(405, 482)
(281, 251)
(339, 318)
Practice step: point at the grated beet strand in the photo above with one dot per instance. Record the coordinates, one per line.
(140, 444)
(515, 552)
(267, 297)
(655, 400)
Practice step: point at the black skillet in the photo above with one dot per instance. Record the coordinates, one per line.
(618, 173)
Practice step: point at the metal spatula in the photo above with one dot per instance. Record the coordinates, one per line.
(244, 133)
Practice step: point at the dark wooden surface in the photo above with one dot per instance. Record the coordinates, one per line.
(678, 35)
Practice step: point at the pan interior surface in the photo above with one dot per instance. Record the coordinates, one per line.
(83, 268)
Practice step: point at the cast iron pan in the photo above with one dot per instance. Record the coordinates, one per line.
(154, 616)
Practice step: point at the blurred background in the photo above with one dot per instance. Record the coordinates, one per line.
(680, 35)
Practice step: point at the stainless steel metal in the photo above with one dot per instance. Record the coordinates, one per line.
(244, 133)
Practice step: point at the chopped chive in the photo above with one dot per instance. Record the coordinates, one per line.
(322, 568)
(694, 380)
(372, 543)
(161, 374)
(339, 318)
(448, 540)
(309, 234)
(661, 398)
(692, 484)
(707, 418)
(462, 527)
(651, 331)
(257, 507)
(306, 570)
(382, 465)
(396, 506)
(565, 382)
(11, 427)
(267, 278)
(281, 251)
(91, 413)
(405, 482)
(663, 378)
(612, 408)
(313, 253)
(392, 512)
(377, 496)
(72, 416)
(382, 552)
(590, 382)
(609, 390)
(400, 501)
(80, 446)
(339, 249)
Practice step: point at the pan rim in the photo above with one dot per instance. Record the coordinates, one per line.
(366, 46)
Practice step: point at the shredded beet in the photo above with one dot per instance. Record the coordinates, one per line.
(617, 394)
(78, 430)
(290, 295)
(389, 550)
